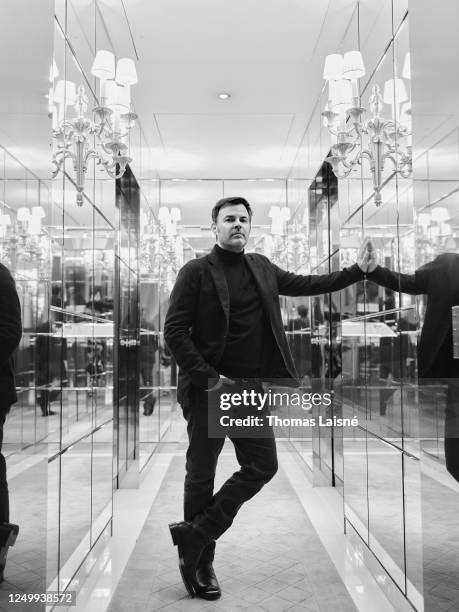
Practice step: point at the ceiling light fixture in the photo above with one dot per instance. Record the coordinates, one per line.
(224, 95)
(112, 123)
(383, 135)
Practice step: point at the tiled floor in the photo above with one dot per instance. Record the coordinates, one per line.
(271, 559)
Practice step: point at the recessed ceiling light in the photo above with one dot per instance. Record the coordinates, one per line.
(224, 95)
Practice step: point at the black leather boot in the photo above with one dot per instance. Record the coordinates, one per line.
(205, 575)
(190, 542)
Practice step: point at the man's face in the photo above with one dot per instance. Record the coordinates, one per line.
(232, 228)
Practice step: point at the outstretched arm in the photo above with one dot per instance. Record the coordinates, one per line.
(315, 284)
(414, 284)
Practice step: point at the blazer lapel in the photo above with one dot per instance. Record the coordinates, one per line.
(220, 283)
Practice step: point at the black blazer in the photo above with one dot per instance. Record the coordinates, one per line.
(197, 320)
(439, 279)
(10, 335)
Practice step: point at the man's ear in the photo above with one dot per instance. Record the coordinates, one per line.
(213, 227)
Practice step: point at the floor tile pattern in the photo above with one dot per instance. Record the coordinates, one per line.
(271, 560)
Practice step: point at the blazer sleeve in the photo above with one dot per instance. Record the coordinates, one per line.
(315, 284)
(10, 316)
(179, 321)
(414, 284)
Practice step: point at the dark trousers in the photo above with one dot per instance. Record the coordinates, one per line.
(45, 397)
(214, 512)
(4, 497)
(149, 377)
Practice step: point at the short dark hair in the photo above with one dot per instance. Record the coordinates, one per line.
(229, 202)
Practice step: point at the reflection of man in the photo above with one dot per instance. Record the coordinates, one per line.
(300, 341)
(224, 322)
(10, 334)
(439, 280)
(149, 373)
(51, 364)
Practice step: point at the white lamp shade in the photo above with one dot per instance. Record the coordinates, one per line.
(406, 72)
(126, 73)
(175, 214)
(440, 214)
(163, 214)
(333, 68)
(285, 213)
(353, 66)
(119, 98)
(395, 91)
(23, 214)
(103, 65)
(340, 94)
(5, 220)
(424, 220)
(65, 92)
(38, 211)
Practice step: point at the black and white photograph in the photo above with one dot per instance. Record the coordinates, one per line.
(229, 306)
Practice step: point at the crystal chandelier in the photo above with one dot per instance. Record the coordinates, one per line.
(24, 237)
(383, 135)
(113, 120)
(161, 248)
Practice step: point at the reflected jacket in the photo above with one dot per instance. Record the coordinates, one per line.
(439, 280)
(197, 320)
(10, 335)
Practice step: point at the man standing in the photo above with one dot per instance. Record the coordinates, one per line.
(10, 335)
(224, 323)
(439, 281)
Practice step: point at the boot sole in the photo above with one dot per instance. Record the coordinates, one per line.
(177, 540)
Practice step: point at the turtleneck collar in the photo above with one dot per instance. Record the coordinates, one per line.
(230, 257)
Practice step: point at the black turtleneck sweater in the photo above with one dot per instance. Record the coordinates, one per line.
(249, 340)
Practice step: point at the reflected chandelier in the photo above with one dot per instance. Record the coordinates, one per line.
(112, 123)
(384, 135)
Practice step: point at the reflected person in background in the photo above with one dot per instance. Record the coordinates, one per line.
(50, 364)
(10, 335)
(224, 323)
(439, 280)
(148, 367)
(300, 343)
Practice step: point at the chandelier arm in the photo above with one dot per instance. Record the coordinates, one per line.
(91, 154)
(360, 129)
(59, 159)
(108, 168)
(367, 154)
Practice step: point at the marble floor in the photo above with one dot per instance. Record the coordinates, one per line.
(274, 558)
